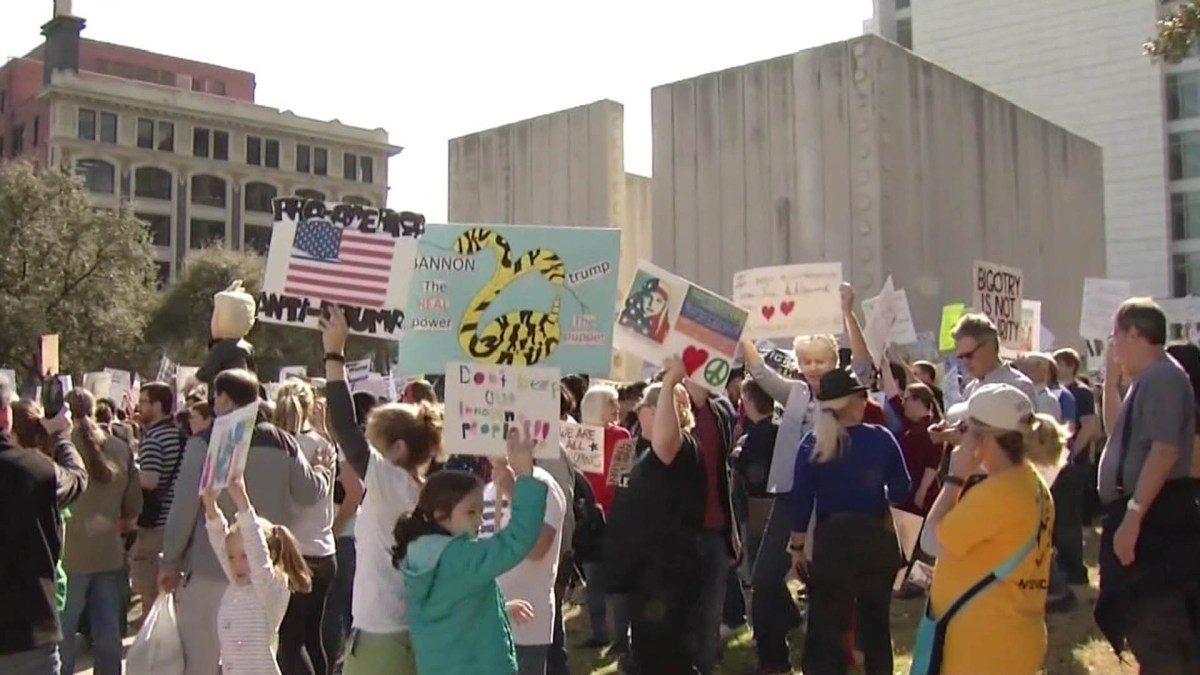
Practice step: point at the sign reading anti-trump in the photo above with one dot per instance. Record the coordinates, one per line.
(998, 294)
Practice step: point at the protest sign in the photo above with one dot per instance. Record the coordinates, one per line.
(665, 315)
(584, 445)
(513, 295)
(99, 384)
(998, 293)
(357, 371)
(623, 456)
(8, 381)
(1101, 297)
(298, 372)
(790, 300)
(903, 332)
(121, 390)
(484, 403)
(49, 354)
(185, 378)
(356, 256)
(950, 316)
(882, 319)
(1030, 336)
(228, 447)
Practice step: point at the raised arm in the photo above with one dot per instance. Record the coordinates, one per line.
(860, 355)
(218, 530)
(342, 417)
(666, 438)
(775, 385)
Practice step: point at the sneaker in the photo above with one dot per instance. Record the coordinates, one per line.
(1061, 604)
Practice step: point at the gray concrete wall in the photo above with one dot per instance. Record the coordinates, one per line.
(863, 153)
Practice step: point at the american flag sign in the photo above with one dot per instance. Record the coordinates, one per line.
(335, 264)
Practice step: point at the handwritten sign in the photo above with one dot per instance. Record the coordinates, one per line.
(665, 315)
(228, 447)
(1101, 297)
(878, 331)
(790, 300)
(998, 293)
(485, 403)
(355, 256)
(99, 384)
(298, 372)
(623, 457)
(584, 444)
(1031, 326)
(950, 316)
(122, 390)
(903, 332)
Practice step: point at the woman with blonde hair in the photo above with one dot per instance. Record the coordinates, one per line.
(991, 529)
(93, 551)
(300, 634)
(846, 473)
(651, 545)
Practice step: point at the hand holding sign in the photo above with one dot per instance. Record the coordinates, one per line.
(334, 328)
(673, 371)
(846, 293)
(520, 453)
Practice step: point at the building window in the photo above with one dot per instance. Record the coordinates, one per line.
(253, 150)
(321, 161)
(366, 169)
(259, 197)
(220, 145)
(1185, 215)
(357, 201)
(1185, 274)
(37, 129)
(86, 125)
(108, 128)
(164, 274)
(145, 133)
(272, 158)
(310, 194)
(218, 87)
(152, 183)
(98, 176)
(350, 166)
(208, 191)
(156, 135)
(206, 232)
(1183, 95)
(198, 84)
(200, 142)
(166, 136)
(303, 158)
(903, 4)
(3, 101)
(1, 147)
(904, 33)
(257, 239)
(1184, 152)
(18, 140)
(159, 227)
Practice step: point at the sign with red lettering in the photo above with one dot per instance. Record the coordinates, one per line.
(998, 293)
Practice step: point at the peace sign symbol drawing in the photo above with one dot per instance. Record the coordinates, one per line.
(716, 372)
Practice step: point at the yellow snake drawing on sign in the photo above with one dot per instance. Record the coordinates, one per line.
(521, 337)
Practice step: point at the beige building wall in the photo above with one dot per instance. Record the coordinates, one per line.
(565, 169)
(863, 153)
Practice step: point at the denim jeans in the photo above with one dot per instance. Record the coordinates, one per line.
(40, 661)
(599, 601)
(335, 628)
(531, 659)
(101, 595)
(773, 611)
(704, 631)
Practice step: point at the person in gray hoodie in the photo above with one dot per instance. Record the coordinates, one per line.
(278, 479)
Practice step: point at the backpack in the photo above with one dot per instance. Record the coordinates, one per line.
(588, 540)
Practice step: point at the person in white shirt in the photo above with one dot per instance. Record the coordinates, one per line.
(532, 581)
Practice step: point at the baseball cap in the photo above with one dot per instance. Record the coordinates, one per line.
(1000, 406)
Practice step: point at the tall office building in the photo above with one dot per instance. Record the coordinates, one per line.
(183, 142)
(1079, 63)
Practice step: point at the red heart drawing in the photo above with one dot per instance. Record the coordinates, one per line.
(694, 358)
(768, 311)
(786, 307)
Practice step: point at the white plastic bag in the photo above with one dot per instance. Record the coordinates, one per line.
(157, 649)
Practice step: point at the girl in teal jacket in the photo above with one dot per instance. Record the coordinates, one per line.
(456, 612)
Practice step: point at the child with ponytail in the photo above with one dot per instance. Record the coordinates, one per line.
(458, 619)
(264, 566)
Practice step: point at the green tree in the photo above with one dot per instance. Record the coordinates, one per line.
(67, 267)
(180, 326)
(1176, 32)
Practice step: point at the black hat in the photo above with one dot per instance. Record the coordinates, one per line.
(839, 383)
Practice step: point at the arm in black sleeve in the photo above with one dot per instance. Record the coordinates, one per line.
(345, 426)
(69, 472)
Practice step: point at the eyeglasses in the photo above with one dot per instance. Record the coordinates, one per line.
(968, 355)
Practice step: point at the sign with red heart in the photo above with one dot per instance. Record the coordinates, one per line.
(790, 300)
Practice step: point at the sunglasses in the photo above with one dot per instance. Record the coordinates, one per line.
(968, 355)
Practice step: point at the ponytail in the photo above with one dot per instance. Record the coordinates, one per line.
(287, 558)
(829, 436)
(441, 493)
(409, 528)
(294, 404)
(1045, 440)
(89, 438)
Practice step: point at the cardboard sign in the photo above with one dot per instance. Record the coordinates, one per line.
(665, 315)
(903, 331)
(355, 256)
(998, 293)
(1101, 298)
(950, 316)
(790, 300)
(49, 353)
(99, 384)
(484, 403)
(228, 447)
(298, 372)
(584, 445)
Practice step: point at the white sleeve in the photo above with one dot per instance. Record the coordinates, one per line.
(556, 506)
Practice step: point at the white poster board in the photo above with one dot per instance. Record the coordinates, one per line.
(121, 390)
(884, 315)
(584, 445)
(298, 372)
(99, 384)
(789, 300)
(228, 447)
(997, 292)
(8, 381)
(1101, 297)
(665, 315)
(903, 331)
(360, 257)
(486, 402)
(1031, 327)
(185, 377)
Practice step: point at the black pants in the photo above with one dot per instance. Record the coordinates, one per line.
(301, 648)
(855, 560)
(773, 611)
(556, 659)
(662, 603)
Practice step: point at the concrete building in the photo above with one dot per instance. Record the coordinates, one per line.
(566, 169)
(1079, 64)
(863, 153)
(182, 142)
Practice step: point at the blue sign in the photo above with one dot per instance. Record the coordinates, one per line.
(512, 295)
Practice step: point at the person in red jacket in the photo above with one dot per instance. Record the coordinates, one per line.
(916, 406)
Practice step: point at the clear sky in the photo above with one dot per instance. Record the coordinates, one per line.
(431, 71)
